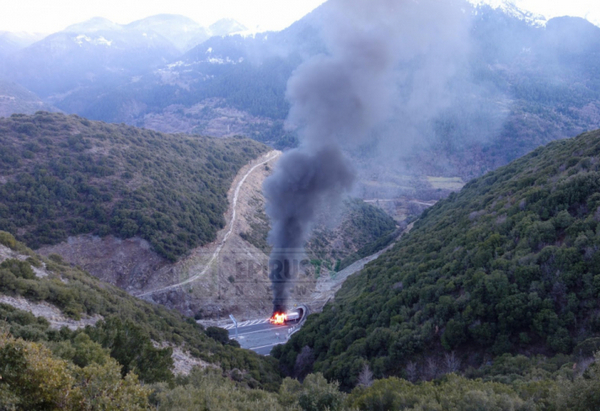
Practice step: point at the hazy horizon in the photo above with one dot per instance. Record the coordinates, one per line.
(261, 15)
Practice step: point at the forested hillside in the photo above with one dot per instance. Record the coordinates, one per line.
(124, 361)
(64, 175)
(43, 365)
(510, 265)
(363, 229)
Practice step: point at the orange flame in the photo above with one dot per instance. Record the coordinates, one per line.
(278, 318)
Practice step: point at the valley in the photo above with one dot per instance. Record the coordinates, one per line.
(385, 205)
(226, 276)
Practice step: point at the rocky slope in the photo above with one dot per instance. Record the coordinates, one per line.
(205, 280)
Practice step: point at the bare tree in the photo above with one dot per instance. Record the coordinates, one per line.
(580, 367)
(365, 378)
(411, 371)
(431, 369)
(452, 362)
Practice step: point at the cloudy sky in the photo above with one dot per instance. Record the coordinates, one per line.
(47, 16)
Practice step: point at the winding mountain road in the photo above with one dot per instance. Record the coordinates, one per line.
(270, 156)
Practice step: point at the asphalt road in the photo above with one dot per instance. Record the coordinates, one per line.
(259, 336)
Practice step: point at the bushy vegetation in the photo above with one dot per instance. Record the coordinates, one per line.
(116, 365)
(209, 390)
(130, 326)
(456, 393)
(80, 374)
(34, 379)
(64, 175)
(508, 265)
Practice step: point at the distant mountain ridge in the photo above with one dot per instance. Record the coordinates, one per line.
(92, 25)
(222, 78)
(225, 27)
(182, 31)
(536, 81)
(509, 8)
(100, 54)
(525, 83)
(67, 60)
(11, 42)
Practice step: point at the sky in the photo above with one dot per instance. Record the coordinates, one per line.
(48, 16)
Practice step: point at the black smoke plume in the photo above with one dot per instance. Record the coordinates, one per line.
(336, 100)
(304, 181)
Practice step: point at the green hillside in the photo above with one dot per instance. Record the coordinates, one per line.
(64, 175)
(133, 336)
(508, 265)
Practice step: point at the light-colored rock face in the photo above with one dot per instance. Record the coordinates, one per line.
(183, 362)
(6, 253)
(50, 312)
(124, 263)
(229, 275)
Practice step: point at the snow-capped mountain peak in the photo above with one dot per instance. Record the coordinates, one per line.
(509, 7)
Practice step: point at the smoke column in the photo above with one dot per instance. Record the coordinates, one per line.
(336, 99)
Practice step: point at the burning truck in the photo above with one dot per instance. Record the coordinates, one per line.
(290, 317)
